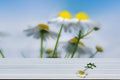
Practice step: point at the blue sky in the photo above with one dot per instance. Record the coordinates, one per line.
(17, 15)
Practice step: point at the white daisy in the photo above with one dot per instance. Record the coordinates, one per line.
(49, 52)
(63, 18)
(79, 23)
(37, 31)
(82, 74)
(69, 47)
(41, 31)
(83, 22)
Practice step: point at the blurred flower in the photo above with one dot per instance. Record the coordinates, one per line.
(37, 31)
(82, 74)
(41, 31)
(98, 49)
(49, 54)
(2, 34)
(69, 47)
(96, 28)
(82, 21)
(74, 41)
(63, 18)
(48, 51)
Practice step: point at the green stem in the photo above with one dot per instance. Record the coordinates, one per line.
(41, 50)
(78, 55)
(76, 45)
(87, 33)
(67, 55)
(85, 69)
(92, 56)
(56, 45)
(2, 54)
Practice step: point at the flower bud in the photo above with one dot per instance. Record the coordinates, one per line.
(48, 51)
(99, 48)
(96, 28)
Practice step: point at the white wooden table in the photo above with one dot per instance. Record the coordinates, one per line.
(58, 68)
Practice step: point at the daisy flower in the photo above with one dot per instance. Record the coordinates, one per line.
(69, 47)
(63, 18)
(82, 74)
(41, 31)
(82, 21)
(98, 49)
(49, 53)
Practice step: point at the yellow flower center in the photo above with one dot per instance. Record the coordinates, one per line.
(81, 43)
(99, 48)
(74, 40)
(49, 51)
(44, 27)
(81, 16)
(65, 15)
(81, 72)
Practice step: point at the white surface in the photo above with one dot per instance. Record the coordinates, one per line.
(58, 68)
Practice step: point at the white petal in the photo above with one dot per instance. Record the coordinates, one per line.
(2, 34)
(67, 22)
(33, 32)
(53, 34)
(55, 20)
(36, 35)
(89, 23)
(29, 32)
(52, 20)
(74, 21)
(84, 49)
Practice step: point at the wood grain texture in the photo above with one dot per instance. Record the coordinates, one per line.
(58, 68)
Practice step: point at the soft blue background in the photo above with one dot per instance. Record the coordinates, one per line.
(17, 15)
